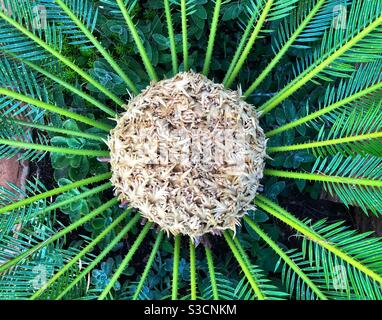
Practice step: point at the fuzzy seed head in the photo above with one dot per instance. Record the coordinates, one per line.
(189, 155)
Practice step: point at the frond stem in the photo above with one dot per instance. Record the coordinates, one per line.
(171, 36)
(62, 58)
(53, 192)
(318, 144)
(323, 178)
(47, 148)
(244, 266)
(126, 260)
(67, 132)
(149, 264)
(55, 109)
(183, 10)
(175, 270)
(211, 39)
(211, 271)
(102, 255)
(192, 270)
(133, 30)
(285, 257)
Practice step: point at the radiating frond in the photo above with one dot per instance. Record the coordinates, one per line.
(340, 48)
(83, 10)
(349, 262)
(368, 197)
(225, 288)
(34, 17)
(17, 77)
(9, 129)
(365, 83)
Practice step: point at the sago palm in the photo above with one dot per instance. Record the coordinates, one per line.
(311, 69)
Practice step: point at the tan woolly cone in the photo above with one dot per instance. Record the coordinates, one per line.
(189, 155)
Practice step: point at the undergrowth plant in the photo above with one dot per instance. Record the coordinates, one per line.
(311, 68)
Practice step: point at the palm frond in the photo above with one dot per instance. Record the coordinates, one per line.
(365, 83)
(16, 133)
(338, 51)
(126, 260)
(254, 285)
(355, 180)
(84, 10)
(78, 20)
(350, 262)
(354, 131)
(296, 278)
(18, 78)
(356, 167)
(13, 40)
(224, 287)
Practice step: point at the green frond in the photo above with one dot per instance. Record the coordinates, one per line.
(56, 236)
(126, 260)
(175, 269)
(110, 8)
(14, 139)
(30, 37)
(13, 40)
(78, 19)
(295, 276)
(44, 195)
(20, 282)
(338, 51)
(365, 82)
(357, 167)
(322, 21)
(69, 87)
(271, 292)
(333, 249)
(53, 108)
(25, 216)
(247, 48)
(224, 289)
(253, 276)
(287, 33)
(84, 10)
(355, 132)
(69, 288)
(80, 255)
(270, 10)
(18, 78)
(354, 180)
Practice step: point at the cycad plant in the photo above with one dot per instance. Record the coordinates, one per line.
(312, 69)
